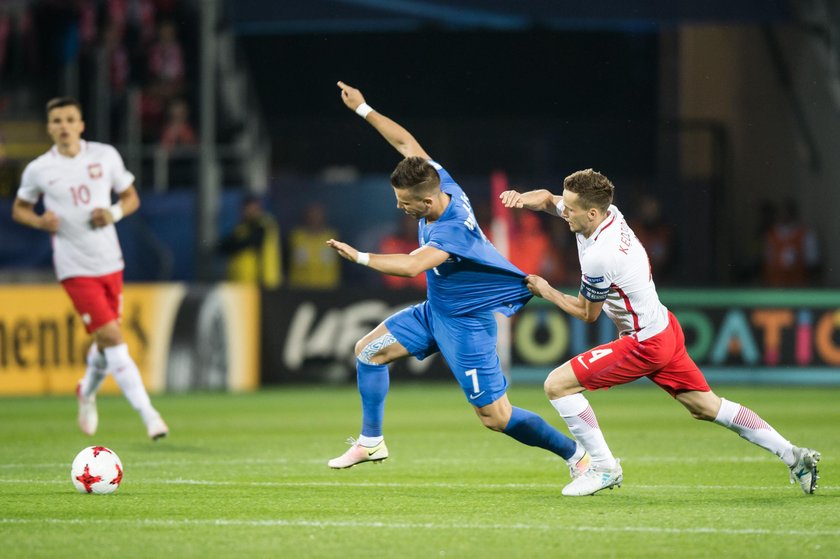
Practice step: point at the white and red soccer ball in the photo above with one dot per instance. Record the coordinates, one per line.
(96, 469)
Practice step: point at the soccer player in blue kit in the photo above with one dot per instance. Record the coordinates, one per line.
(468, 280)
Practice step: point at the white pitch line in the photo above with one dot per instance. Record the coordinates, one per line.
(437, 461)
(298, 523)
(145, 463)
(420, 485)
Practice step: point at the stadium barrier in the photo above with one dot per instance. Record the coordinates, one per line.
(231, 337)
(182, 337)
(743, 336)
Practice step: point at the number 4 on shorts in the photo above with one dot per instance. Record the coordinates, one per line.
(595, 355)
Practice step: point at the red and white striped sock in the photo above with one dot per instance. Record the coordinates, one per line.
(751, 427)
(579, 416)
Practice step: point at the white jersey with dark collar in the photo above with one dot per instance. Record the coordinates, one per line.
(615, 269)
(72, 187)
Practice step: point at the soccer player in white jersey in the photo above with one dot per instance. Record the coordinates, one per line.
(75, 179)
(616, 278)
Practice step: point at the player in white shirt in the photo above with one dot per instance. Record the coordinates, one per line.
(75, 179)
(616, 278)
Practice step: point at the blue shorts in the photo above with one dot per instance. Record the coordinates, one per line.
(467, 343)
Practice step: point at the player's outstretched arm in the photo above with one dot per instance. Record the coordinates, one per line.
(536, 200)
(579, 307)
(24, 212)
(397, 136)
(406, 265)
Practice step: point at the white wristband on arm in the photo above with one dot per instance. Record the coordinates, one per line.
(116, 212)
(363, 110)
(363, 258)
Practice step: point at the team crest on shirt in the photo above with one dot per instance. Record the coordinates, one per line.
(95, 170)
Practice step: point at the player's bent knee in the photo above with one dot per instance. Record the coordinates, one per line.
(493, 423)
(555, 387)
(702, 414)
(703, 406)
(495, 417)
(108, 336)
(367, 351)
(548, 387)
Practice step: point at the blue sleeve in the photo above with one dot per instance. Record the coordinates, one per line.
(451, 237)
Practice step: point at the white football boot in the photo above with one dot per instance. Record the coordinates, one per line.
(595, 479)
(804, 470)
(358, 454)
(579, 468)
(156, 428)
(88, 416)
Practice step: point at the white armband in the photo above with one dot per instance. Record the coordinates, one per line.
(116, 212)
(363, 258)
(363, 110)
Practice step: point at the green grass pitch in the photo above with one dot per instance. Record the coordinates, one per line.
(246, 476)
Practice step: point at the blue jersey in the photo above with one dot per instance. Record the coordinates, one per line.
(475, 278)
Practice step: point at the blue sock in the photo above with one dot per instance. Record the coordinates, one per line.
(373, 386)
(531, 429)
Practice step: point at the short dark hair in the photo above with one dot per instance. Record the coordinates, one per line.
(416, 174)
(594, 189)
(58, 102)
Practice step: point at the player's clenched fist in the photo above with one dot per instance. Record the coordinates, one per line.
(49, 222)
(100, 217)
(537, 285)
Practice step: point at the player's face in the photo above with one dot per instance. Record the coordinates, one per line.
(65, 126)
(578, 218)
(411, 205)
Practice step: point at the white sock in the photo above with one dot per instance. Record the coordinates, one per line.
(97, 369)
(578, 415)
(369, 441)
(750, 426)
(128, 378)
(575, 458)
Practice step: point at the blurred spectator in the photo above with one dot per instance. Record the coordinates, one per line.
(531, 249)
(135, 16)
(403, 241)
(119, 74)
(165, 82)
(565, 247)
(791, 251)
(8, 173)
(313, 264)
(119, 64)
(88, 29)
(5, 38)
(253, 247)
(657, 236)
(166, 61)
(178, 131)
(152, 109)
(753, 264)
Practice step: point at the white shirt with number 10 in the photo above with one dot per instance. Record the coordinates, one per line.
(72, 187)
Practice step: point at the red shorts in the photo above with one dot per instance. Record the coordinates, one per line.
(98, 300)
(662, 358)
